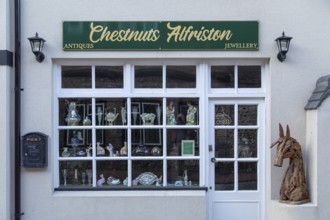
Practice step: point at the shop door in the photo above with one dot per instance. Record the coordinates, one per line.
(236, 160)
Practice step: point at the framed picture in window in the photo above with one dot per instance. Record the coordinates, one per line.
(188, 148)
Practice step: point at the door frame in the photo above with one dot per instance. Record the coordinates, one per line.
(261, 151)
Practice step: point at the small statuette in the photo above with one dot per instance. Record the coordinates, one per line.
(190, 118)
(113, 181)
(156, 151)
(124, 150)
(65, 152)
(89, 176)
(123, 115)
(101, 180)
(110, 149)
(87, 121)
(88, 151)
(65, 174)
(170, 117)
(99, 150)
(185, 178)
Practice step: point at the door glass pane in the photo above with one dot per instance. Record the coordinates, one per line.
(222, 77)
(181, 77)
(224, 143)
(249, 76)
(224, 115)
(224, 176)
(183, 173)
(247, 143)
(109, 77)
(247, 114)
(247, 176)
(148, 76)
(76, 77)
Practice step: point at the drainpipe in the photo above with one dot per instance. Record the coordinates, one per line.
(17, 123)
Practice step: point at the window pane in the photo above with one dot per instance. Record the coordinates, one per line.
(224, 176)
(181, 77)
(224, 115)
(222, 77)
(182, 111)
(148, 76)
(109, 77)
(73, 143)
(247, 114)
(247, 176)
(147, 172)
(146, 111)
(224, 143)
(72, 112)
(247, 142)
(146, 140)
(75, 173)
(109, 111)
(249, 76)
(111, 142)
(76, 77)
(183, 173)
(182, 142)
(111, 173)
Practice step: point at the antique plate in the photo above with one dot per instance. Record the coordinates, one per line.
(147, 178)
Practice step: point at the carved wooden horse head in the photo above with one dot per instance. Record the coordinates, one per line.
(294, 187)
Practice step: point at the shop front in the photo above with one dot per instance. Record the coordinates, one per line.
(140, 111)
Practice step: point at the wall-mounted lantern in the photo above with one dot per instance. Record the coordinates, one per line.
(283, 44)
(37, 45)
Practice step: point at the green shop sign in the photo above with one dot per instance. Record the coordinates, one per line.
(164, 35)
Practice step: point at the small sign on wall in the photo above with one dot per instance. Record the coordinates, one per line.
(34, 150)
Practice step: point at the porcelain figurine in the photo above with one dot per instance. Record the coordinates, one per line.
(170, 117)
(65, 152)
(101, 180)
(87, 121)
(113, 181)
(190, 118)
(110, 117)
(185, 178)
(73, 118)
(110, 149)
(99, 149)
(124, 150)
(88, 151)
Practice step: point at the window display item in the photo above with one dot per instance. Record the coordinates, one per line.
(110, 117)
(87, 121)
(170, 116)
(65, 152)
(110, 149)
(190, 118)
(73, 118)
(123, 115)
(101, 180)
(89, 176)
(148, 118)
(99, 150)
(124, 150)
(113, 181)
(147, 178)
(65, 174)
(88, 151)
(156, 151)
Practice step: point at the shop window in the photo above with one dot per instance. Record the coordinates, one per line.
(231, 77)
(126, 139)
(75, 77)
(109, 77)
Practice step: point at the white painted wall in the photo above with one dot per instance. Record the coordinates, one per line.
(6, 100)
(291, 84)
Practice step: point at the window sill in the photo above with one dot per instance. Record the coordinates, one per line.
(132, 188)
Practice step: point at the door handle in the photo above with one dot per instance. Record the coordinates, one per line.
(213, 160)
